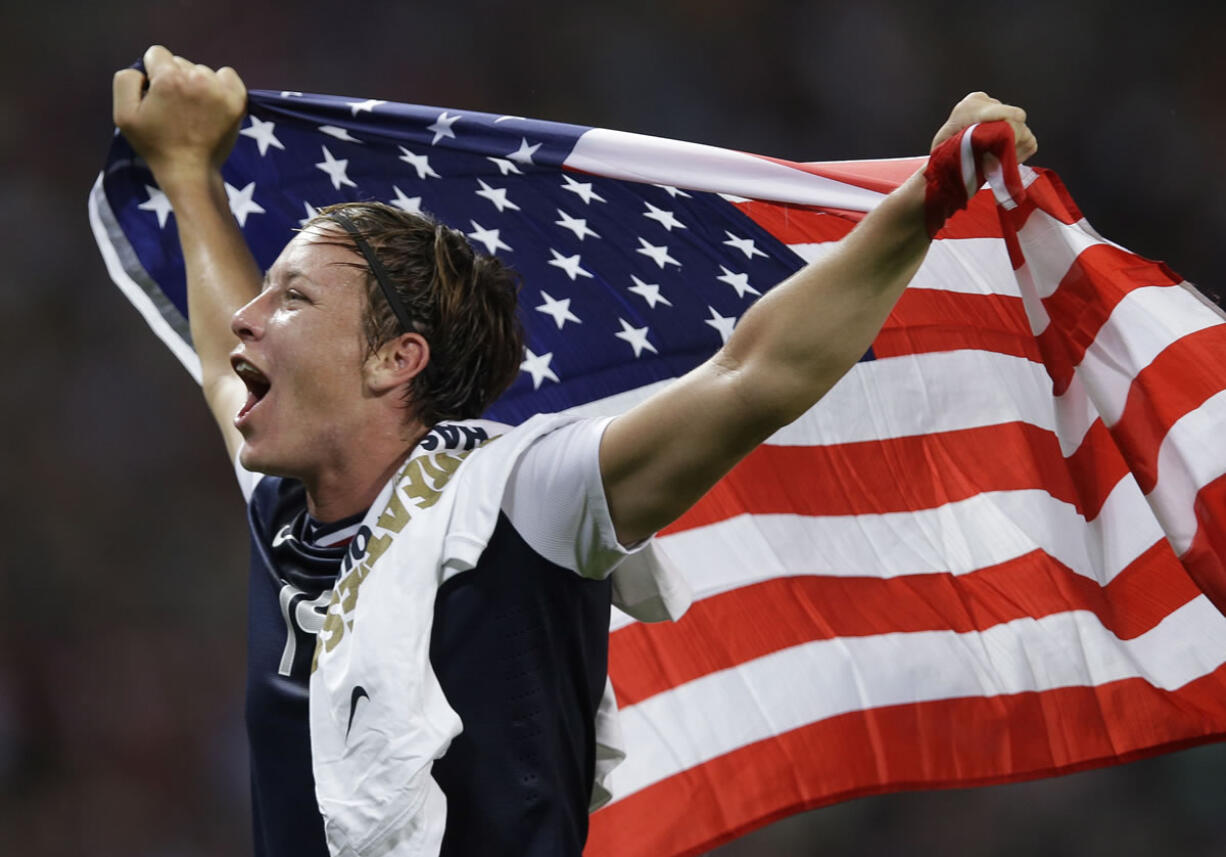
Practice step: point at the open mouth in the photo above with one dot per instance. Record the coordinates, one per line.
(257, 383)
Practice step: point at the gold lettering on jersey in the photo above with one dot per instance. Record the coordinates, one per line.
(395, 516)
(414, 485)
(348, 588)
(378, 546)
(440, 467)
(329, 634)
(422, 481)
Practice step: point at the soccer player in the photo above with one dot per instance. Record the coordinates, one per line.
(369, 337)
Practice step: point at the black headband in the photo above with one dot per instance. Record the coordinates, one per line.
(376, 268)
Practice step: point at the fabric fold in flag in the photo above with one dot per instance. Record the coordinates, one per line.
(995, 551)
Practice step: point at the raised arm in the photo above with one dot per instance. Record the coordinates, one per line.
(786, 352)
(184, 126)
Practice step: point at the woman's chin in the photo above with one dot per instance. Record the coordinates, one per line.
(255, 459)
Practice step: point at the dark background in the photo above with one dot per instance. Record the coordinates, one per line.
(123, 584)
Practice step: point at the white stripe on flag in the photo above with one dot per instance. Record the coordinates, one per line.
(977, 266)
(642, 158)
(1075, 413)
(967, 151)
(1051, 249)
(1191, 456)
(1141, 326)
(956, 538)
(812, 251)
(919, 394)
(972, 265)
(695, 722)
(1036, 313)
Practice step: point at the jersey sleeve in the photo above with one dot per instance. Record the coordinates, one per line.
(555, 500)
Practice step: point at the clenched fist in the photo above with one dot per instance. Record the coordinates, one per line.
(981, 107)
(185, 123)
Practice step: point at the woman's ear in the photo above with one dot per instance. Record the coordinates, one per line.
(396, 363)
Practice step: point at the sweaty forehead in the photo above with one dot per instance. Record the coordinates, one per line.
(322, 255)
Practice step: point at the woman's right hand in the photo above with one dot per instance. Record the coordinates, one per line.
(185, 123)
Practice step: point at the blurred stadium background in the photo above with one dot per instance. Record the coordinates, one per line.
(123, 606)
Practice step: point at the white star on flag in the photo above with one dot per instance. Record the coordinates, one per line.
(262, 133)
(368, 105)
(724, 324)
(335, 169)
(649, 292)
(665, 218)
(158, 203)
(560, 310)
(745, 245)
(421, 163)
(538, 367)
(496, 195)
(672, 191)
(740, 282)
(658, 254)
(442, 127)
(411, 204)
(311, 211)
(636, 336)
(576, 225)
(488, 237)
(581, 189)
(569, 264)
(241, 202)
(338, 133)
(504, 166)
(524, 153)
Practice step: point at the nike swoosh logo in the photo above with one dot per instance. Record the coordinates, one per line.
(285, 535)
(358, 693)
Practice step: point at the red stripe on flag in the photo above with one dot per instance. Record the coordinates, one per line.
(928, 320)
(1205, 560)
(1095, 468)
(879, 175)
(877, 477)
(946, 743)
(797, 224)
(1178, 381)
(1045, 195)
(1049, 193)
(728, 629)
(1100, 277)
(978, 220)
(981, 217)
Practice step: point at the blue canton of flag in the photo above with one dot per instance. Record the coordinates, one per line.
(624, 283)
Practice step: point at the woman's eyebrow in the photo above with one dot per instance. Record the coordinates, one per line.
(290, 275)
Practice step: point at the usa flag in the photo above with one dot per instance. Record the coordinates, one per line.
(994, 551)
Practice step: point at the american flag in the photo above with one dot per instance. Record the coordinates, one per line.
(992, 552)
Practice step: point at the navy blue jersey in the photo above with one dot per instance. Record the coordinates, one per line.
(290, 585)
(520, 648)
